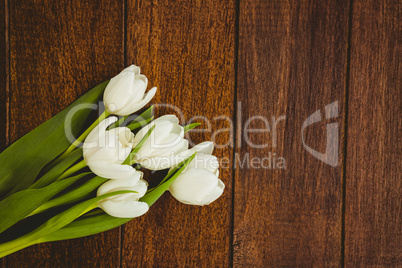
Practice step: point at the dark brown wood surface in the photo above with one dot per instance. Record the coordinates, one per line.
(235, 59)
(292, 62)
(186, 49)
(3, 86)
(373, 212)
(58, 51)
(3, 79)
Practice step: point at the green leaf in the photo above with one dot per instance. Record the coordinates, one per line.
(151, 197)
(77, 194)
(21, 162)
(54, 224)
(57, 170)
(147, 114)
(139, 121)
(85, 226)
(118, 122)
(143, 119)
(139, 124)
(100, 222)
(15, 207)
(190, 127)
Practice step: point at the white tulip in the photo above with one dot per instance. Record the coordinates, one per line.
(125, 93)
(198, 184)
(166, 146)
(124, 205)
(105, 151)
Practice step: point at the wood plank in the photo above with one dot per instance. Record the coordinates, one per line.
(373, 167)
(3, 79)
(292, 62)
(59, 50)
(3, 86)
(186, 48)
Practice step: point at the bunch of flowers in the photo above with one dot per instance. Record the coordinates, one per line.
(69, 190)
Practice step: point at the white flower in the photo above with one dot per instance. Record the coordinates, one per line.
(124, 205)
(198, 184)
(166, 146)
(125, 93)
(105, 151)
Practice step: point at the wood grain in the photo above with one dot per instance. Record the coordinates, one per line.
(3, 86)
(3, 79)
(58, 51)
(292, 62)
(186, 48)
(373, 214)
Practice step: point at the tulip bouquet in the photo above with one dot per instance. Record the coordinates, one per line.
(54, 188)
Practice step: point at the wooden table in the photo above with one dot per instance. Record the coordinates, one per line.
(236, 59)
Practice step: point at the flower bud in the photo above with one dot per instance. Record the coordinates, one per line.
(124, 205)
(166, 146)
(125, 93)
(105, 151)
(198, 184)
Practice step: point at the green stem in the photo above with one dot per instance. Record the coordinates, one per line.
(138, 167)
(118, 123)
(29, 240)
(72, 170)
(15, 245)
(137, 124)
(77, 194)
(81, 138)
(92, 207)
(54, 224)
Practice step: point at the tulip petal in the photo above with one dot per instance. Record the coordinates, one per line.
(122, 145)
(109, 150)
(133, 107)
(134, 184)
(168, 117)
(215, 194)
(125, 135)
(141, 188)
(195, 187)
(162, 129)
(132, 68)
(92, 139)
(140, 85)
(205, 147)
(172, 145)
(131, 183)
(110, 170)
(160, 120)
(168, 160)
(205, 161)
(124, 209)
(116, 92)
